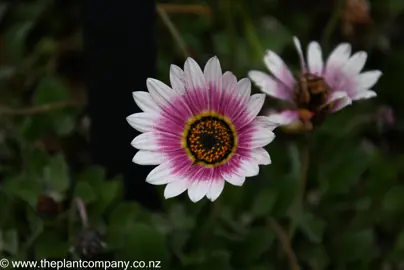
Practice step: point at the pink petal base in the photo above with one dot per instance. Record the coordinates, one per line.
(170, 127)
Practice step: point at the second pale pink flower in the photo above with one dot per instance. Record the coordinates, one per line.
(321, 87)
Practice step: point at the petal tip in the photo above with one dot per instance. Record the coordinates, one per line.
(134, 142)
(128, 119)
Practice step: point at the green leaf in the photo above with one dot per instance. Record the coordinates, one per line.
(257, 242)
(3, 9)
(30, 10)
(50, 89)
(398, 250)
(121, 221)
(36, 228)
(271, 27)
(316, 256)
(286, 189)
(313, 227)
(64, 124)
(218, 259)
(144, 243)
(382, 173)
(14, 39)
(346, 118)
(26, 189)
(264, 203)
(180, 219)
(56, 174)
(339, 174)
(262, 267)
(85, 191)
(124, 215)
(6, 72)
(9, 241)
(6, 208)
(354, 246)
(394, 199)
(94, 175)
(400, 241)
(36, 160)
(108, 191)
(50, 245)
(395, 6)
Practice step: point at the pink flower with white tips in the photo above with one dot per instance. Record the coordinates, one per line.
(322, 87)
(202, 131)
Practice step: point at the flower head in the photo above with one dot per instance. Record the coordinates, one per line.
(201, 131)
(321, 87)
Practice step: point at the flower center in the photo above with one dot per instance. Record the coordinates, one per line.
(311, 95)
(311, 92)
(210, 140)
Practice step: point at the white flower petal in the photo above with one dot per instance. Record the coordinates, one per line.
(356, 63)
(144, 157)
(198, 190)
(341, 103)
(177, 79)
(270, 86)
(142, 122)
(213, 72)
(338, 56)
(285, 117)
(145, 141)
(265, 122)
(298, 46)
(243, 89)
(276, 65)
(161, 175)
(194, 77)
(160, 92)
(261, 137)
(215, 189)
(229, 81)
(255, 103)
(336, 95)
(364, 94)
(249, 167)
(234, 179)
(315, 58)
(145, 102)
(176, 187)
(368, 79)
(261, 156)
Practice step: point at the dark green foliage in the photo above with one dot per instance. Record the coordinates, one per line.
(350, 214)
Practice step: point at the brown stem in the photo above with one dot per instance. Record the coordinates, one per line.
(186, 9)
(38, 109)
(173, 30)
(81, 208)
(285, 243)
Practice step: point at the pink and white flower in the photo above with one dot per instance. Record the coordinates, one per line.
(341, 73)
(201, 131)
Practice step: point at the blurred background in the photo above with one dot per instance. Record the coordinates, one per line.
(330, 200)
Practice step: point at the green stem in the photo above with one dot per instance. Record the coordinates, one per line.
(332, 23)
(298, 204)
(231, 31)
(251, 34)
(174, 32)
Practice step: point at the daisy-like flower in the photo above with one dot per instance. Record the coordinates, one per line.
(321, 87)
(201, 131)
